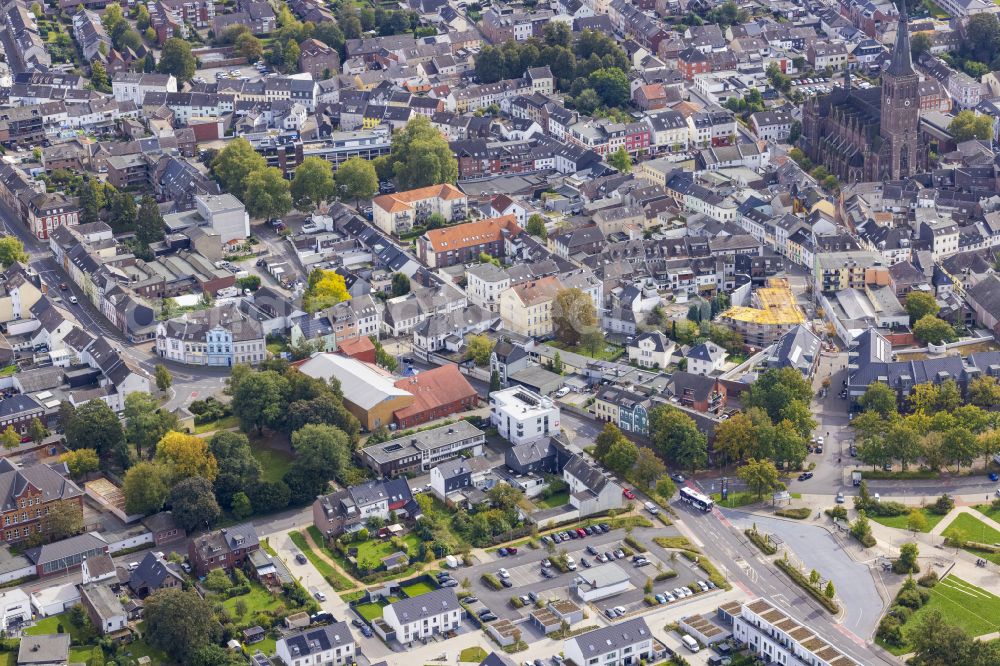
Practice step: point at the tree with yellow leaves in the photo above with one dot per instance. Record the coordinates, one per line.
(186, 456)
(326, 288)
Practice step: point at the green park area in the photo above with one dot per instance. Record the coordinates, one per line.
(962, 604)
(967, 527)
(901, 522)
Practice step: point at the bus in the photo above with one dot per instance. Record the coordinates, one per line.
(696, 499)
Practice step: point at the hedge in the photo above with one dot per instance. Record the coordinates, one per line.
(800, 579)
(758, 540)
(800, 513)
(491, 581)
(665, 575)
(632, 541)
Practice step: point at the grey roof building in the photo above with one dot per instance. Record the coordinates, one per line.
(43, 650)
(799, 349)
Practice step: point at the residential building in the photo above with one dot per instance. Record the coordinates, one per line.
(699, 392)
(705, 358)
(424, 450)
(398, 213)
(331, 645)
(28, 493)
(347, 510)
(627, 410)
(800, 348)
(621, 644)
(222, 549)
(43, 650)
(773, 313)
(526, 308)
(133, 86)
(18, 411)
(854, 269)
(508, 358)
(462, 480)
(46, 211)
(104, 609)
(423, 616)
(523, 416)
(154, 573)
(590, 491)
(484, 283)
(464, 243)
(318, 59)
(651, 350)
(15, 608)
(777, 638)
(220, 336)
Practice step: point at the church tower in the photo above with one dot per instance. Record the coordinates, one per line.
(900, 108)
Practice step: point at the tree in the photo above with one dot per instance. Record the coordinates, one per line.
(984, 391)
(536, 226)
(239, 470)
(145, 422)
(608, 436)
(648, 467)
(479, 349)
(149, 222)
(420, 156)
(587, 101)
(241, 507)
(259, 399)
(96, 657)
(959, 446)
(322, 452)
(907, 561)
(9, 438)
(676, 436)
(163, 377)
(829, 592)
(95, 426)
(81, 462)
(123, 212)
(62, 520)
(36, 431)
(794, 132)
(325, 289)
(180, 622)
(494, 381)
(437, 220)
(861, 530)
(12, 250)
(735, 437)
(99, 79)
(249, 47)
(920, 43)
(270, 496)
(919, 304)
(621, 456)
(761, 476)
(178, 60)
(573, 315)
(267, 193)
(665, 487)
(557, 363)
(356, 179)
(611, 85)
(186, 456)
(936, 642)
(879, 398)
(776, 390)
(145, 488)
(968, 125)
(313, 183)
(193, 503)
(234, 163)
(400, 284)
(503, 496)
(916, 521)
(931, 330)
(490, 64)
(902, 443)
(621, 160)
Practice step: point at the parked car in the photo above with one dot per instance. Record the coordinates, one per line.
(366, 631)
(546, 563)
(506, 582)
(805, 476)
(483, 612)
(610, 613)
(488, 617)
(605, 527)
(677, 478)
(703, 585)
(586, 564)
(502, 552)
(628, 493)
(451, 582)
(994, 476)
(470, 600)
(619, 554)
(503, 573)
(512, 551)
(300, 558)
(642, 563)
(840, 497)
(589, 530)
(592, 550)
(580, 533)
(358, 622)
(319, 595)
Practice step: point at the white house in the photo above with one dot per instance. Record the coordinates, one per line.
(424, 615)
(651, 350)
(15, 607)
(706, 358)
(590, 491)
(322, 646)
(523, 416)
(133, 86)
(779, 639)
(483, 285)
(621, 644)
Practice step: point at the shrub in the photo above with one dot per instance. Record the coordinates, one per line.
(942, 505)
(890, 630)
(491, 581)
(665, 575)
(650, 600)
(929, 579)
(887, 509)
(761, 541)
(632, 541)
(838, 512)
(902, 613)
(910, 599)
(800, 513)
(516, 602)
(218, 581)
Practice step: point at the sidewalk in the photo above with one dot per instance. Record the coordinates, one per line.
(940, 527)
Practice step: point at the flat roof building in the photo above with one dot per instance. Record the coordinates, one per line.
(423, 450)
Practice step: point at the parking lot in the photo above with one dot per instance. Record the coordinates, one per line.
(524, 571)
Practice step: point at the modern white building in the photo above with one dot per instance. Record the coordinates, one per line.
(590, 491)
(621, 644)
(601, 582)
(225, 214)
(331, 645)
(779, 639)
(706, 358)
(133, 86)
(423, 616)
(484, 284)
(523, 416)
(15, 607)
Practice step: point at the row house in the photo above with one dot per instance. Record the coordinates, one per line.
(198, 13)
(605, 137)
(90, 34)
(473, 98)
(501, 25)
(464, 243)
(634, 23)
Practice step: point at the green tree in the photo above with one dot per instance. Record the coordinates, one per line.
(163, 377)
(145, 488)
(573, 315)
(177, 59)
(322, 452)
(880, 399)
(234, 163)
(145, 422)
(123, 212)
(761, 476)
(421, 156)
(919, 304)
(267, 193)
(931, 330)
(920, 43)
(249, 47)
(676, 436)
(621, 160)
(829, 592)
(149, 226)
(260, 399)
(916, 521)
(970, 125)
(356, 179)
(99, 77)
(621, 456)
(494, 381)
(907, 560)
(984, 392)
(12, 250)
(959, 446)
(400, 284)
(736, 437)
(239, 470)
(648, 467)
(81, 462)
(536, 226)
(313, 183)
(94, 426)
(62, 520)
(587, 101)
(611, 85)
(180, 622)
(193, 504)
(37, 431)
(777, 390)
(557, 364)
(478, 348)
(241, 507)
(665, 487)
(608, 436)
(490, 64)
(935, 642)
(861, 530)
(96, 657)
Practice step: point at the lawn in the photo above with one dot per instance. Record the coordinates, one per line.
(259, 599)
(988, 511)
(744, 498)
(899, 522)
(370, 611)
(8, 659)
(966, 527)
(268, 646)
(417, 589)
(224, 423)
(553, 501)
(129, 654)
(336, 580)
(374, 550)
(50, 625)
(609, 352)
(973, 609)
(475, 654)
(273, 463)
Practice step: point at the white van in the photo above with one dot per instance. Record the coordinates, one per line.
(652, 508)
(690, 643)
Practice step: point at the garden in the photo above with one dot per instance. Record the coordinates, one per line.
(84, 641)
(607, 352)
